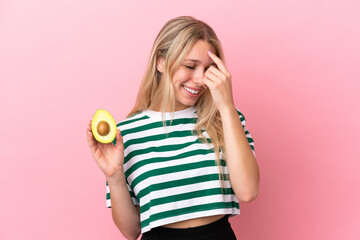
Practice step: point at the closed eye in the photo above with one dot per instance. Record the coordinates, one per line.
(190, 67)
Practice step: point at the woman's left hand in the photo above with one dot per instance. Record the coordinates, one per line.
(218, 80)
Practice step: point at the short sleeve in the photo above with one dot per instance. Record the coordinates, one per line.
(132, 195)
(247, 133)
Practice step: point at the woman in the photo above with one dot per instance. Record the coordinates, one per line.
(182, 160)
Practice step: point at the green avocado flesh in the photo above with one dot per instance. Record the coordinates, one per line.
(103, 126)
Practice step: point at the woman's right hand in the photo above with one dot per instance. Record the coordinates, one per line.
(109, 157)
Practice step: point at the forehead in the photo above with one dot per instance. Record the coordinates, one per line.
(199, 52)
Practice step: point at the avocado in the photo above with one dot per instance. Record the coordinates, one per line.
(103, 126)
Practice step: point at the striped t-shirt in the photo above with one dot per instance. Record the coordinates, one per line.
(170, 173)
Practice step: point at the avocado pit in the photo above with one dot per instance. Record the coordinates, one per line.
(103, 128)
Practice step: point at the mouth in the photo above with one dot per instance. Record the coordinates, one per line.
(191, 92)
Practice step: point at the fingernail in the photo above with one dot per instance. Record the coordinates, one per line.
(210, 51)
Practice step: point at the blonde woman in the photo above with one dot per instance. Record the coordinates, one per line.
(183, 158)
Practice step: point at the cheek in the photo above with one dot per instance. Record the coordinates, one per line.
(180, 77)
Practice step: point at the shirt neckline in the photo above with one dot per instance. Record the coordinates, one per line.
(185, 112)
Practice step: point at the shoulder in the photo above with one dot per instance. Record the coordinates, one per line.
(132, 121)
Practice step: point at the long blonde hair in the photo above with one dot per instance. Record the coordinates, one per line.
(173, 43)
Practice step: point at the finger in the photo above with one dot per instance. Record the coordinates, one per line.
(216, 72)
(91, 140)
(219, 63)
(203, 83)
(211, 76)
(88, 130)
(94, 146)
(119, 139)
(211, 84)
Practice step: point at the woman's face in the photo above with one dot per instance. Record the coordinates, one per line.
(188, 78)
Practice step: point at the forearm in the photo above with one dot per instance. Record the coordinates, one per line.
(124, 213)
(243, 169)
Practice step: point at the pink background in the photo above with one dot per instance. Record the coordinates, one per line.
(295, 72)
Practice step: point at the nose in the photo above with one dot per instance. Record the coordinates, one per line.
(198, 76)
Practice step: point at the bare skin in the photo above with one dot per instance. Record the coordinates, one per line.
(194, 222)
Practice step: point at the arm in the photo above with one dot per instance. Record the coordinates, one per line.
(243, 169)
(125, 214)
(110, 159)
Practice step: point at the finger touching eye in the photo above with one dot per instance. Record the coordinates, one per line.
(214, 65)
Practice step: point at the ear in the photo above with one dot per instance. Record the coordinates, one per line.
(160, 64)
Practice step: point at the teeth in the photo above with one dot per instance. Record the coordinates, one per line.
(190, 90)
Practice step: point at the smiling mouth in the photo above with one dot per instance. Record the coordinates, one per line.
(192, 91)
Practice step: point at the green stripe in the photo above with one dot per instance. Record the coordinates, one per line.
(252, 147)
(184, 196)
(250, 140)
(165, 148)
(139, 164)
(185, 133)
(132, 194)
(174, 169)
(180, 182)
(132, 120)
(240, 115)
(159, 124)
(181, 211)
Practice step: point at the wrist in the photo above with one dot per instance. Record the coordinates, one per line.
(230, 109)
(119, 175)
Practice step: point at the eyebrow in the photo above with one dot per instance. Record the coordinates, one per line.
(195, 60)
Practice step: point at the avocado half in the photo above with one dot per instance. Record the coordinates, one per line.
(103, 126)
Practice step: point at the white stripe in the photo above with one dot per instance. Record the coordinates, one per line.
(108, 203)
(135, 201)
(156, 131)
(248, 135)
(159, 143)
(137, 116)
(135, 124)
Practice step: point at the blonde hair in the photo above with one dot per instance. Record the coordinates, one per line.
(173, 43)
